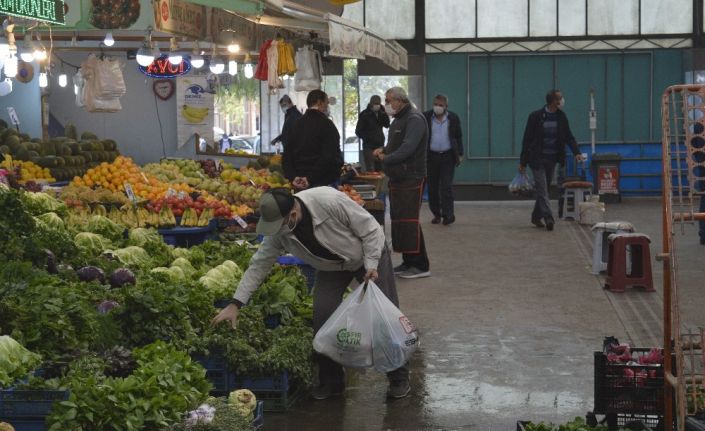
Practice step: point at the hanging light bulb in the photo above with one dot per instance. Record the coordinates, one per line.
(216, 66)
(144, 55)
(249, 70)
(40, 54)
(197, 60)
(4, 48)
(174, 57)
(11, 66)
(156, 52)
(27, 54)
(109, 40)
(232, 67)
(233, 48)
(43, 80)
(63, 80)
(5, 87)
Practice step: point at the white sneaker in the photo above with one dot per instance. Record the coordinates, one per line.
(414, 273)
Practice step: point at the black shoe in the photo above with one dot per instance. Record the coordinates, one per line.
(436, 220)
(449, 220)
(538, 223)
(323, 392)
(398, 389)
(549, 225)
(702, 241)
(400, 269)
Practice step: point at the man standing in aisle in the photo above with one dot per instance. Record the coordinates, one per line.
(404, 160)
(312, 155)
(546, 134)
(370, 124)
(445, 152)
(335, 235)
(291, 114)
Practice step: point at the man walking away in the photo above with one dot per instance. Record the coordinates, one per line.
(404, 160)
(312, 155)
(291, 114)
(369, 129)
(445, 152)
(546, 134)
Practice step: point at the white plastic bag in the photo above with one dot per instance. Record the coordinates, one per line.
(109, 82)
(521, 184)
(346, 337)
(367, 330)
(394, 337)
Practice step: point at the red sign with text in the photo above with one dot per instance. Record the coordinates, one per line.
(162, 68)
(608, 177)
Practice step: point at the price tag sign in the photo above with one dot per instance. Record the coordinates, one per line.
(130, 193)
(252, 182)
(170, 193)
(217, 164)
(240, 221)
(14, 119)
(146, 180)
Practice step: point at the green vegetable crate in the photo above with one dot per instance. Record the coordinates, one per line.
(27, 410)
(613, 422)
(280, 401)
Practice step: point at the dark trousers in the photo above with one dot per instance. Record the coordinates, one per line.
(327, 296)
(372, 163)
(441, 169)
(543, 174)
(405, 198)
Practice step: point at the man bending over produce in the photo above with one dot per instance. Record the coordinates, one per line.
(335, 235)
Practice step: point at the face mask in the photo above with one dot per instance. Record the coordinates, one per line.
(375, 108)
(289, 226)
(284, 109)
(389, 110)
(438, 110)
(561, 104)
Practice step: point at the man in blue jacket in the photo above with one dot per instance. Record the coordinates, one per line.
(445, 152)
(546, 134)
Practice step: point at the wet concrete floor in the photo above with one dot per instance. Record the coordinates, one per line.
(509, 321)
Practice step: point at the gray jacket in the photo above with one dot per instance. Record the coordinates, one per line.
(339, 224)
(405, 153)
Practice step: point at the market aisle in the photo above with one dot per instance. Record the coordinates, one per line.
(508, 325)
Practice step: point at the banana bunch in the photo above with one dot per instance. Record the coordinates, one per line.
(205, 217)
(193, 114)
(189, 218)
(166, 217)
(99, 210)
(146, 218)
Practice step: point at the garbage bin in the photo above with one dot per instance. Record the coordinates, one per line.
(605, 174)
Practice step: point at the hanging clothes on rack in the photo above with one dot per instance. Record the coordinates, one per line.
(309, 73)
(286, 66)
(261, 72)
(273, 80)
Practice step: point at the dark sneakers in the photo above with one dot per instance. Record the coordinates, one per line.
(400, 269)
(323, 392)
(538, 223)
(449, 220)
(398, 389)
(549, 225)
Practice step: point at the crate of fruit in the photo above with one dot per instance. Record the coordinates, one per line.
(629, 380)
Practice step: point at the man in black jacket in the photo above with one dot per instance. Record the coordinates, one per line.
(291, 114)
(545, 137)
(369, 127)
(445, 151)
(312, 155)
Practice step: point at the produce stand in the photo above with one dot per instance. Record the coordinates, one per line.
(188, 236)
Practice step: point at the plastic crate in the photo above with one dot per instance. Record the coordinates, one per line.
(619, 420)
(279, 401)
(28, 404)
(617, 393)
(279, 382)
(216, 372)
(258, 421)
(273, 321)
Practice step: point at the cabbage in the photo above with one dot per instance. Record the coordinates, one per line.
(221, 280)
(184, 265)
(4, 426)
(141, 236)
(243, 401)
(195, 256)
(232, 266)
(41, 203)
(175, 273)
(15, 361)
(92, 244)
(52, 220)
(106, 227)
(132, 256)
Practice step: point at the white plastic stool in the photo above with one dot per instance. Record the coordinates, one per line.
(574, 193)
(600, 249)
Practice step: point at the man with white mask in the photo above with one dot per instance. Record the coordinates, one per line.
(445, 152)
(335, 235)
(546, 134)
(291, 114)
(370, 128)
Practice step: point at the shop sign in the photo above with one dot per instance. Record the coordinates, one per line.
(608, 177)
(226, 25)
(51, 11)
(180, 17)
(162, 68)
